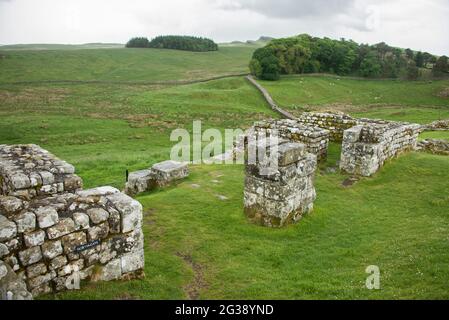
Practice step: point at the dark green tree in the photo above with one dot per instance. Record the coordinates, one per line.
(441, 66)
(138, 42)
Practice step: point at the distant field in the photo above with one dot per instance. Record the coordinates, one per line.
(120, 64)
(386, 99)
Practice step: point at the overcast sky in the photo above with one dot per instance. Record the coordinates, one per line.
(418, 24)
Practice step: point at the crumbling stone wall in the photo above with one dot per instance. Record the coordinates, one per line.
(336, 123)
(434, 146)
(275, 198)
(52, 238)
(367, 146)
(315, 139)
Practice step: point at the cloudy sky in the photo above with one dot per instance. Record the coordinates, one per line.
(418, 24)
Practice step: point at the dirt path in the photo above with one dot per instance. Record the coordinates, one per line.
(193, 288)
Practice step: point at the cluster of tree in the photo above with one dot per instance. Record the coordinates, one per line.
(174, 42)
(184, 43)
(138, 42)
(306, 54)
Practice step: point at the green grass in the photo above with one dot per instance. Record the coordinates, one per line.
(442, 135)
(415, 101)
(105, 129)
(122, 64)
(378, 221)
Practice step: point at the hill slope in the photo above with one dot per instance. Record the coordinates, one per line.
(122, 64)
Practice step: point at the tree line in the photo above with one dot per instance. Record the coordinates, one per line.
(187, 43)
(306, 54)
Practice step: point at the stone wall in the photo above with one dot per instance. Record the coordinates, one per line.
(336, 123)
(367, 146)
(280, 197)
(28, 171)
(440, 125)
(51, 238)
(315, 139)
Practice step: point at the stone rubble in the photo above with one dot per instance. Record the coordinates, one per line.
(434, 146)
(46, 237)
(159, 175)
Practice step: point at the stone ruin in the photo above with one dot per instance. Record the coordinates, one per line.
(434, 146)
(367, 146)
(159, 175)
(52, 232)
(275, 198)
(315, 139)
(336, 123)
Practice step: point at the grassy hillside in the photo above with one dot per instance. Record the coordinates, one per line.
(145, 65)
(104, 129)
(201, 246)
(416, 101)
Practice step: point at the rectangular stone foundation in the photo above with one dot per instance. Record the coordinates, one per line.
(51, 240)
(280, 197)
(366, 147)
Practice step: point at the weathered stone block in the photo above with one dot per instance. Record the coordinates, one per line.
(100, 231)
(46, 216)
(30, 256)
(36, 270)
(52, 249)
(130, 210)
(98, 215)
(63, 227)
(26, 222)
(71, 241)
(58, 263)
(35, 238)
(8, 229)
(132, 262)
(10, 205)
(81, 220)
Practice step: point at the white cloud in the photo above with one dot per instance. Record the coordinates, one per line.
(418, 24)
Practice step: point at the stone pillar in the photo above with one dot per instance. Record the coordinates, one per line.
(275, 198)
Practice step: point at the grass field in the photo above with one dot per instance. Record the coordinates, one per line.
(199, 246)
(122, 65)
(415, 101)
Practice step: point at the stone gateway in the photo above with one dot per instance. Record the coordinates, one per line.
(52, 231)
